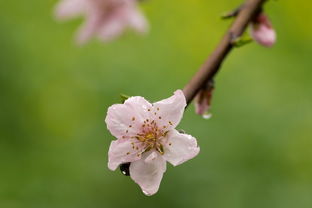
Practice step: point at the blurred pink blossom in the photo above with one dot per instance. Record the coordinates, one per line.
(147, 138)
(105, 19)
(262, 31)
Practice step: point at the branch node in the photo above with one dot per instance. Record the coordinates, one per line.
(233, 13)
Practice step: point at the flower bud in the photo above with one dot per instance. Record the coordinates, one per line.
(262, 31)
(203, 100)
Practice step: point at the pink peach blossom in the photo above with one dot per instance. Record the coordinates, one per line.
(262, 31)
(147, 138)
(105, 19)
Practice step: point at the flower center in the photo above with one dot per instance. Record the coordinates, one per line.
(151, 137)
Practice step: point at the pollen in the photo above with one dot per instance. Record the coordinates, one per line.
(159, 117)
(170, 123)
(130, 126)
(128, 153)
(150, 136)
(158, 109)
(133, 118)
(148, 109)
(170, 144)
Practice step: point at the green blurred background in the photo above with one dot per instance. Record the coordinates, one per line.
(255, 151)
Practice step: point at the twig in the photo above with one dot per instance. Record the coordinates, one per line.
(232, 13)
(209, 69)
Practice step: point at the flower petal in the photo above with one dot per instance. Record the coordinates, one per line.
(89, 28)
(68, 9)
(123, 151)
(179, 148)
(148, 172)
(125, 120)
(137, 21)
(110, 29)
(169, 112)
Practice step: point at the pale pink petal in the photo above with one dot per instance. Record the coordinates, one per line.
(148, 172)
(68, 9)
(120, 19)
(169, 112)
(88, 29)
(110, 29)
(151, 157)
(125, 120)
(123, 151)
(179, 148)
(137, 21)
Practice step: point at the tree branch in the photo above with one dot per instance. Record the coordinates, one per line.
(209, 69)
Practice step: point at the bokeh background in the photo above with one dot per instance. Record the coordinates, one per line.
(255, 151)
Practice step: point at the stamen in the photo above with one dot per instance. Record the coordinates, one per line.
(160, 149)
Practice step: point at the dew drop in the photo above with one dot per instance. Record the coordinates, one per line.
(124, 168)
(207, 116)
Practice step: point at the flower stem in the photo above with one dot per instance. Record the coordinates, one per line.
(212, 65)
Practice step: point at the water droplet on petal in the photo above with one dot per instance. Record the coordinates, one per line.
(124, 168)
